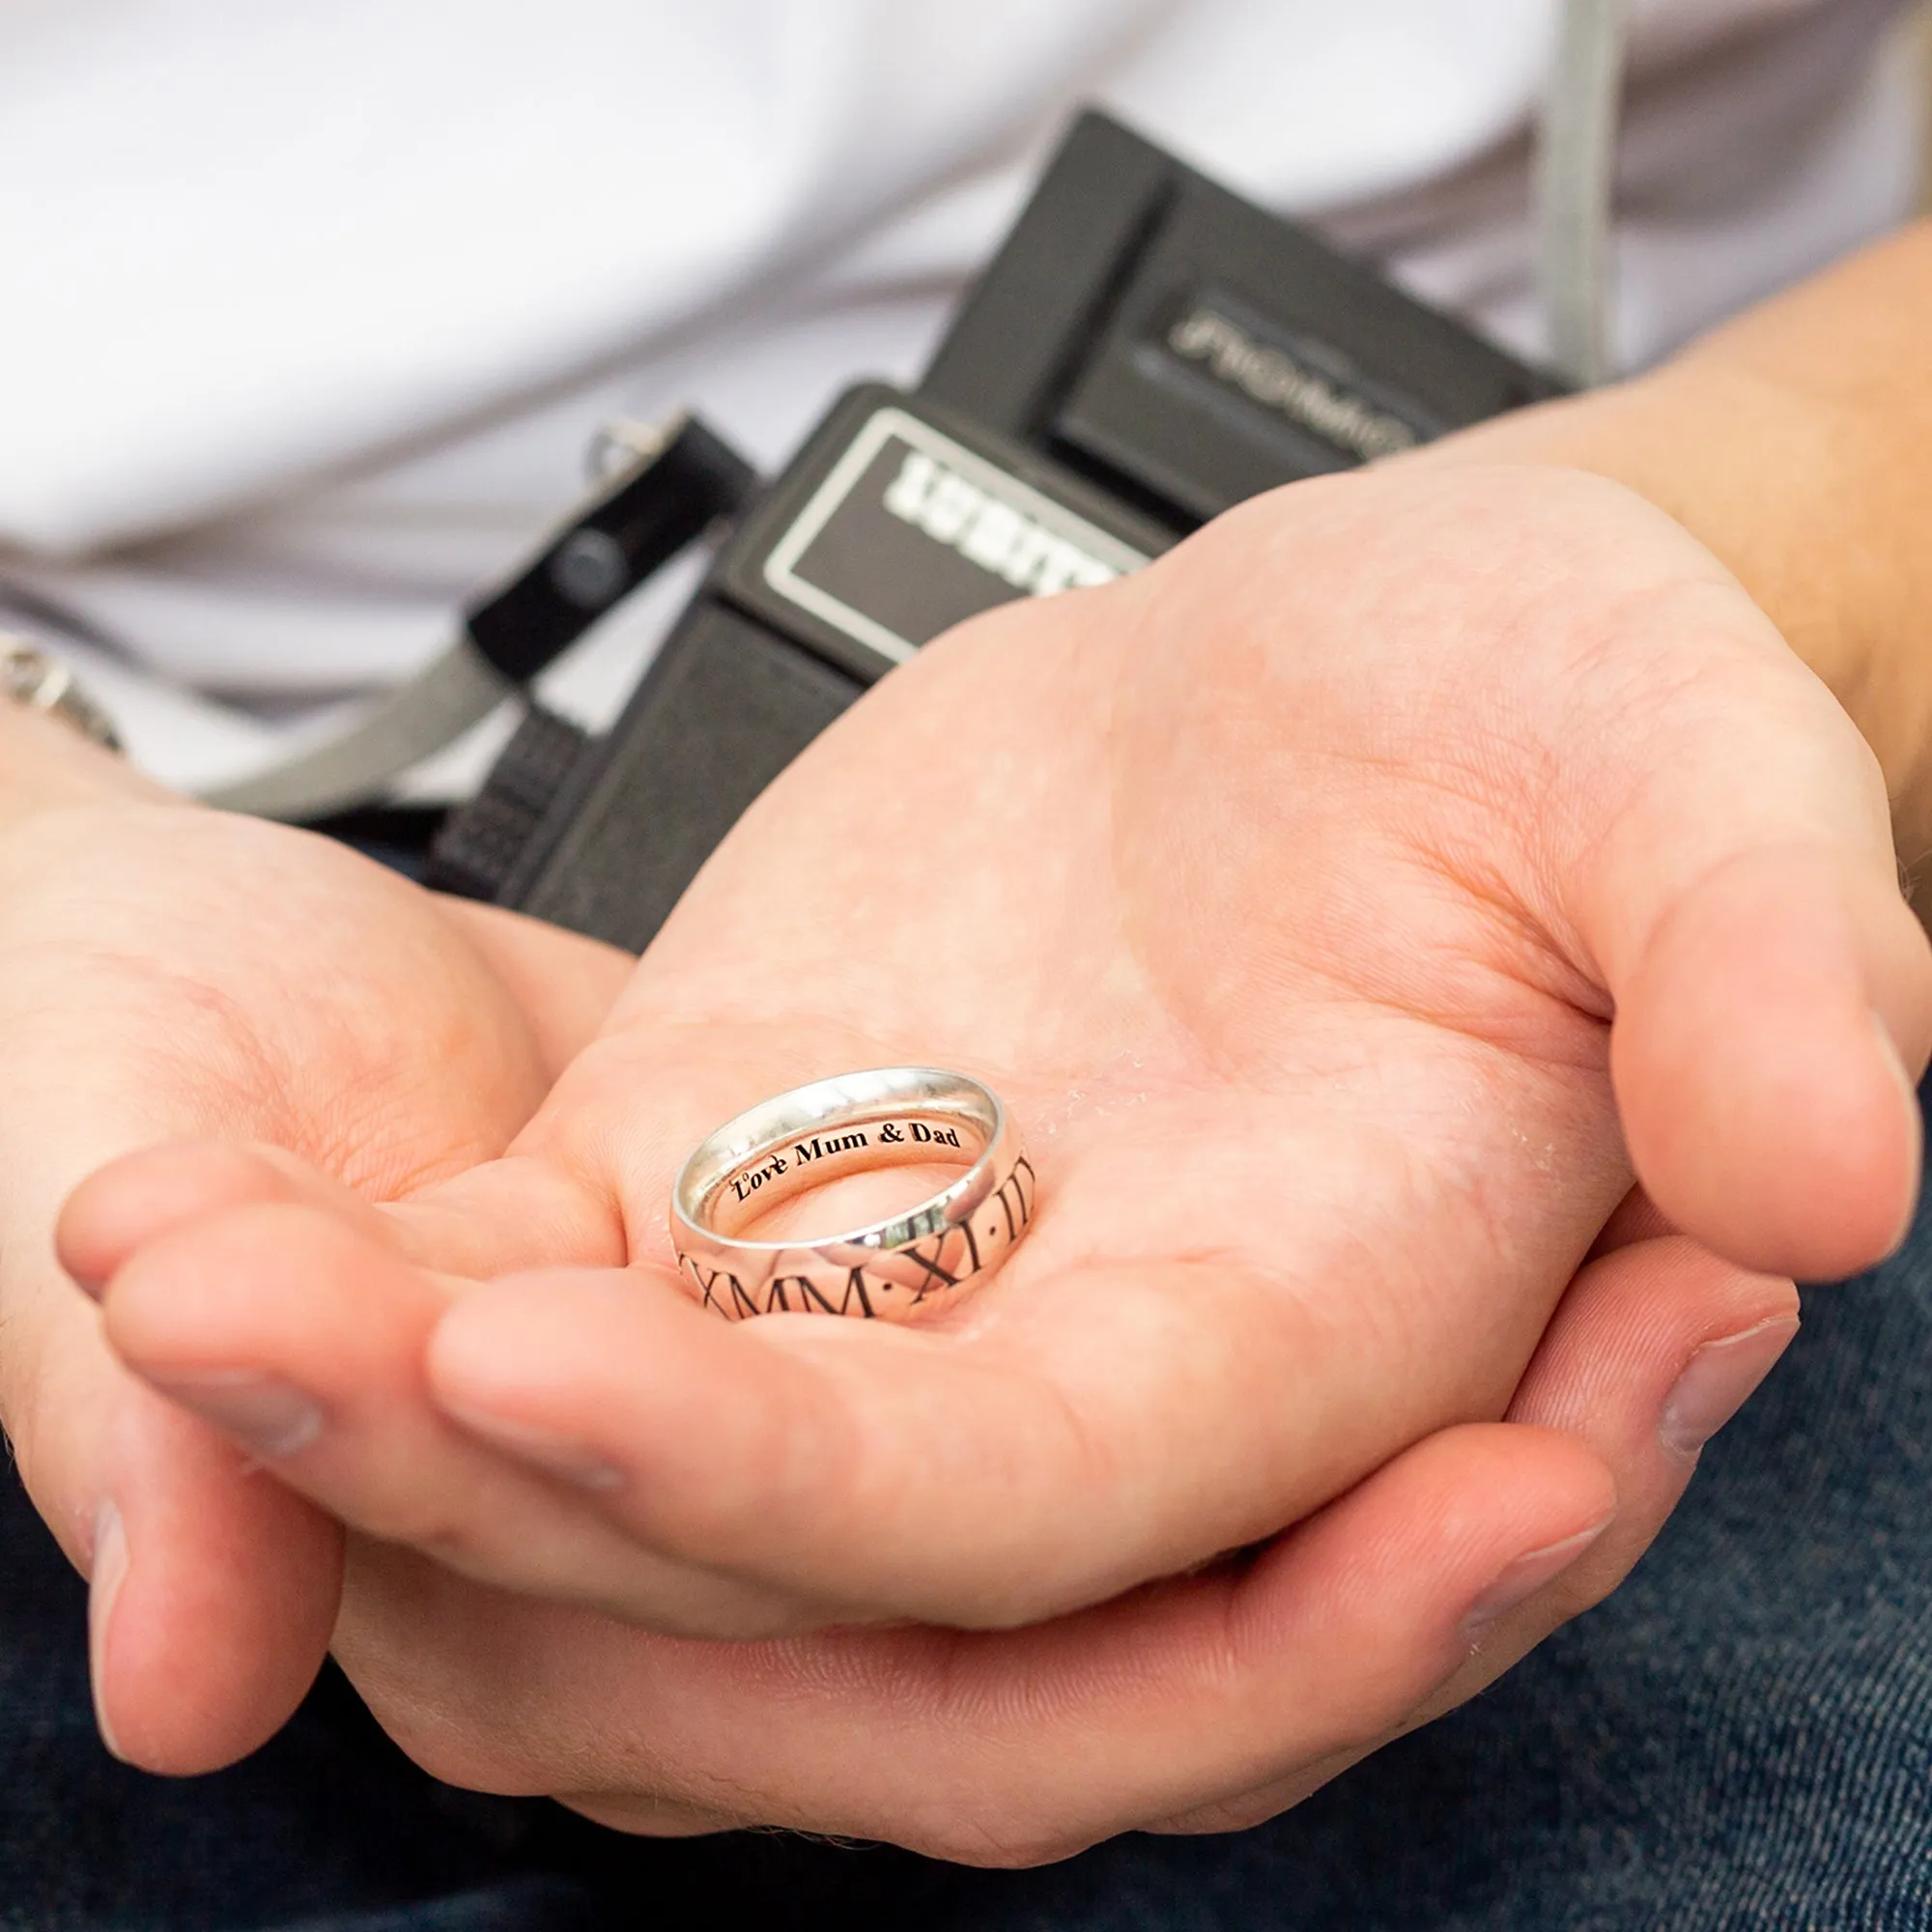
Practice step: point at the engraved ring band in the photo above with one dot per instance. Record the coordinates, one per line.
(851, 1124)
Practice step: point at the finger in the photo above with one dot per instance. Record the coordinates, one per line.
(1759, 1069)
(1637, 1218)
(1772, 986)
(504, 1214)
(695, 1476)
(214, 1589)
(671, 1468)
(215, 1592)
(212, 1612)
(1653, 1350)
(1005, 1748)
(142, 1196)
(984, 1476)
(520, 1212)
(301, 1337)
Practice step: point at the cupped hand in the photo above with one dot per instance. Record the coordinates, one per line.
(1203, 1703)
(1340, 905)
(167, 973)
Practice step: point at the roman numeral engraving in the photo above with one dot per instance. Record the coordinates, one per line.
(934, 1276)
(707, 1288)
(721, 1290)
(1016, 1196)
(811, 1295)
(821, 1285)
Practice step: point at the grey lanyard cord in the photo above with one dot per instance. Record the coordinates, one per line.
(455, 693)
(1575, 188)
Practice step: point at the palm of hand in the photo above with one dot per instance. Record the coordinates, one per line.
(1320, 1127)
(1286, 894)
(171, 974)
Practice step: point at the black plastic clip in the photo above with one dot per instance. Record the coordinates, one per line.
(674, 488)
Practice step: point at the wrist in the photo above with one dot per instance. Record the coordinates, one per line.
(47, 766)
(1777, 483)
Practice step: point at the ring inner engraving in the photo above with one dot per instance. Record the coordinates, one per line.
(807, 1161)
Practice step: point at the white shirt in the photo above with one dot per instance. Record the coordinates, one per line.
(310, 309)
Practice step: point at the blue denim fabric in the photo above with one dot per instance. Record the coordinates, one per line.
(1742, 1738)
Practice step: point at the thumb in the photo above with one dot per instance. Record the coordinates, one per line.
(1772, 990)
(213, 1588)
(213, 1593)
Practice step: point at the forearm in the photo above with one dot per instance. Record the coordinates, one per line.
(1796, 442)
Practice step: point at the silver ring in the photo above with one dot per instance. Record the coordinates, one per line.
(849, 1125)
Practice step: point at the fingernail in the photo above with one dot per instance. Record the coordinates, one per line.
(1527, 1575)
(271, 1417)
(110, 1571)
(557, 1455)
(1718, 1382)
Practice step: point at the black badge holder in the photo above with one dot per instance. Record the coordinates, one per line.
(1146, 350)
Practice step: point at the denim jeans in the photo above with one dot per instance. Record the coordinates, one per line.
(1741, 1737)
